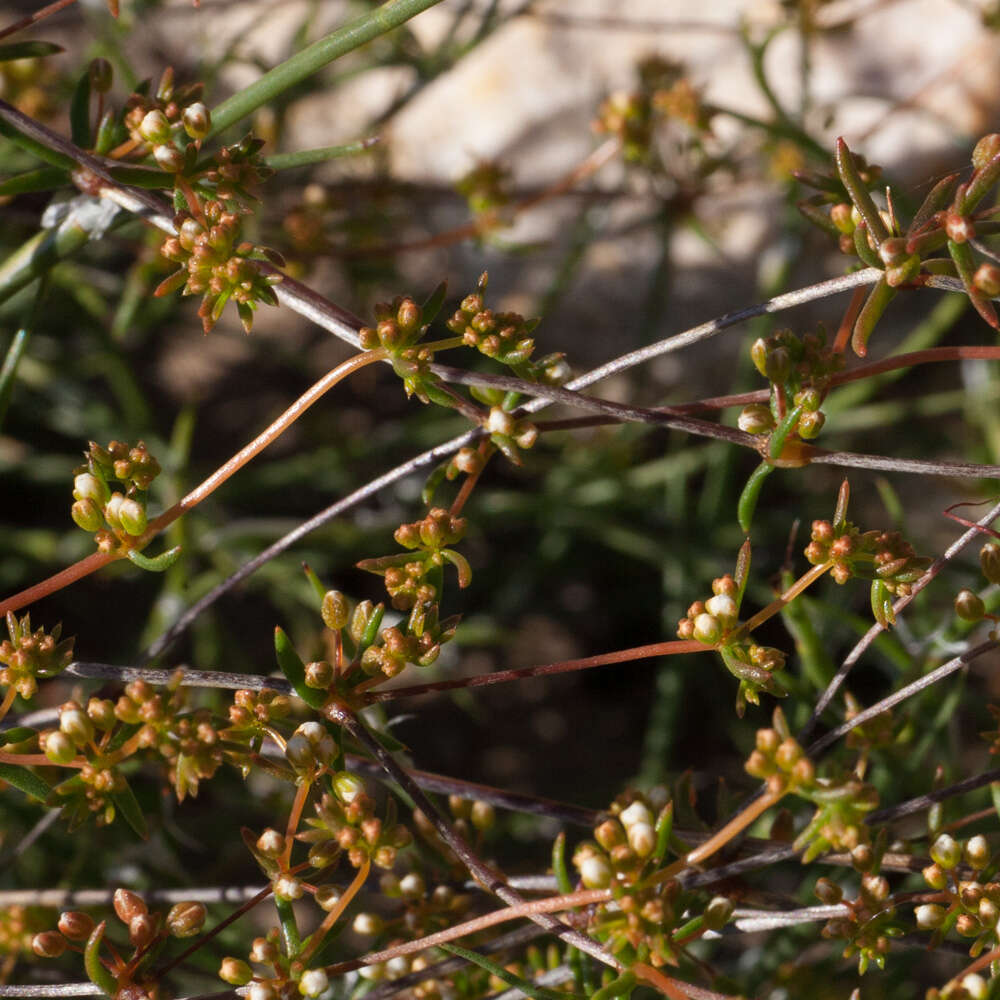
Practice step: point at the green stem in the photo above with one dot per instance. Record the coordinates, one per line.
(303, 64)
(307, 157)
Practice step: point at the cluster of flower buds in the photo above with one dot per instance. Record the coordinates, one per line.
(504, 336)
(174, 109)
(485, 188)
(345, 822)
(841, 803)
(883, 557)
(217, 265)
(79, 932)
(969, 904)
(716, 623)
(414, 581)
(869, 923)
(799, 370)
(114, 517)
(29, 654)
(948, 217)
(970, 987)
(629, 118)
(310, 750)
(285, 978)
(237, 171)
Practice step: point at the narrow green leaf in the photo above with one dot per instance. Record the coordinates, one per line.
(156, 564)
(751, 493)
(25, 781)
(559, 864)
(308, 157)
(126, 802)
(40, 179)
(96, 971)
(79, 112)
(28, 50)
(432, 306)
(295, 670)
(524, 985)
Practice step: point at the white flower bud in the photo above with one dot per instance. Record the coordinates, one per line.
(929, 916)
(261, 991)
(313, 982)
(975, 986)
(642, 839)
(412, 886)
(595, 872)
(367, 924)
(500, 422)
(287, 887)
(637, 812)
(723, 607)
(270, 843)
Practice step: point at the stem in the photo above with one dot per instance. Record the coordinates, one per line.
(34, 18)
(669, 648)
(96, 560)
(316, 938)
(8, 700)
(802, 583)
(719, 840)
(553, 904)
(36, 760)
(298, 804)
(314, 57)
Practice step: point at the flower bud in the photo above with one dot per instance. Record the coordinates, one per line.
(935, 876)
(412, 886)
(841, 217)
(87, 486)
(987, 280)
(500, 422)
(335, 612)
(101, 75)
(169, 158)
(271, 843)
(262, 991)
(642, 839)
(595, 872)
(810, 424)
(609, 834)
(946, 851)
(286, 887)
(48, 944)
(347, 787)
(367, 924)
(988, 912)
(977, 852)
(828, 892)
(263, 951)
(59, 748)
(186, 919)
(969, 606)
(756, 418)
(707, 629)
(313, 982)
(718, 912)
(142, 929)
(75, 925)
(967, 925)
(87, 515)
(75, 724)
(636, 812)
(989, 561)
(959, 228)
(132, 516)
(197, 120)
(975, 986)
(235, 972)
(929, 916)
(327, 897)
(154, 127)
(483, 815)
(319, 674)
(723, 607)
(299, 752)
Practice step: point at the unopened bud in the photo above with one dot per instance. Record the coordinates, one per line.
(347, 786)
(75, 925)
(989, 561)
(286, 887)
(186, 919)
(756, 418)
(313, 982)
(87, 515)
(48, 944)
(987, 280)
(154, 127)
(197, 120)
(132, 516)
(642, 839)
(946, 851)
(78, 727)
(59, 748)
(718, 912)
(319, 674)
(500, 422)
(235, 972)
(271, 843)
(969, 606)
(335, 612)
(367, 924)
(929, 916)
(977, 852)
(169, 158)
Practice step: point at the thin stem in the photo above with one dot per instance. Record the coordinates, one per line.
(316, 938)
(801, 584)
(553, 904)
(669, 648)
(314, 57)
(34, 18)
(735, 826)
(98, 559)
(8, 700)
(291, 828)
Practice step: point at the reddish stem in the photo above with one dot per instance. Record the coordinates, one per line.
(39, 15)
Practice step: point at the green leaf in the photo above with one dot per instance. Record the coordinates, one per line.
(432, 306)
(26, 781)
(295, 670)
(79, 112)
(98, 975)
(126, 802)
(156, 564)
(16, 735)
(40, 179)
(524, 985)
(28, 50)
